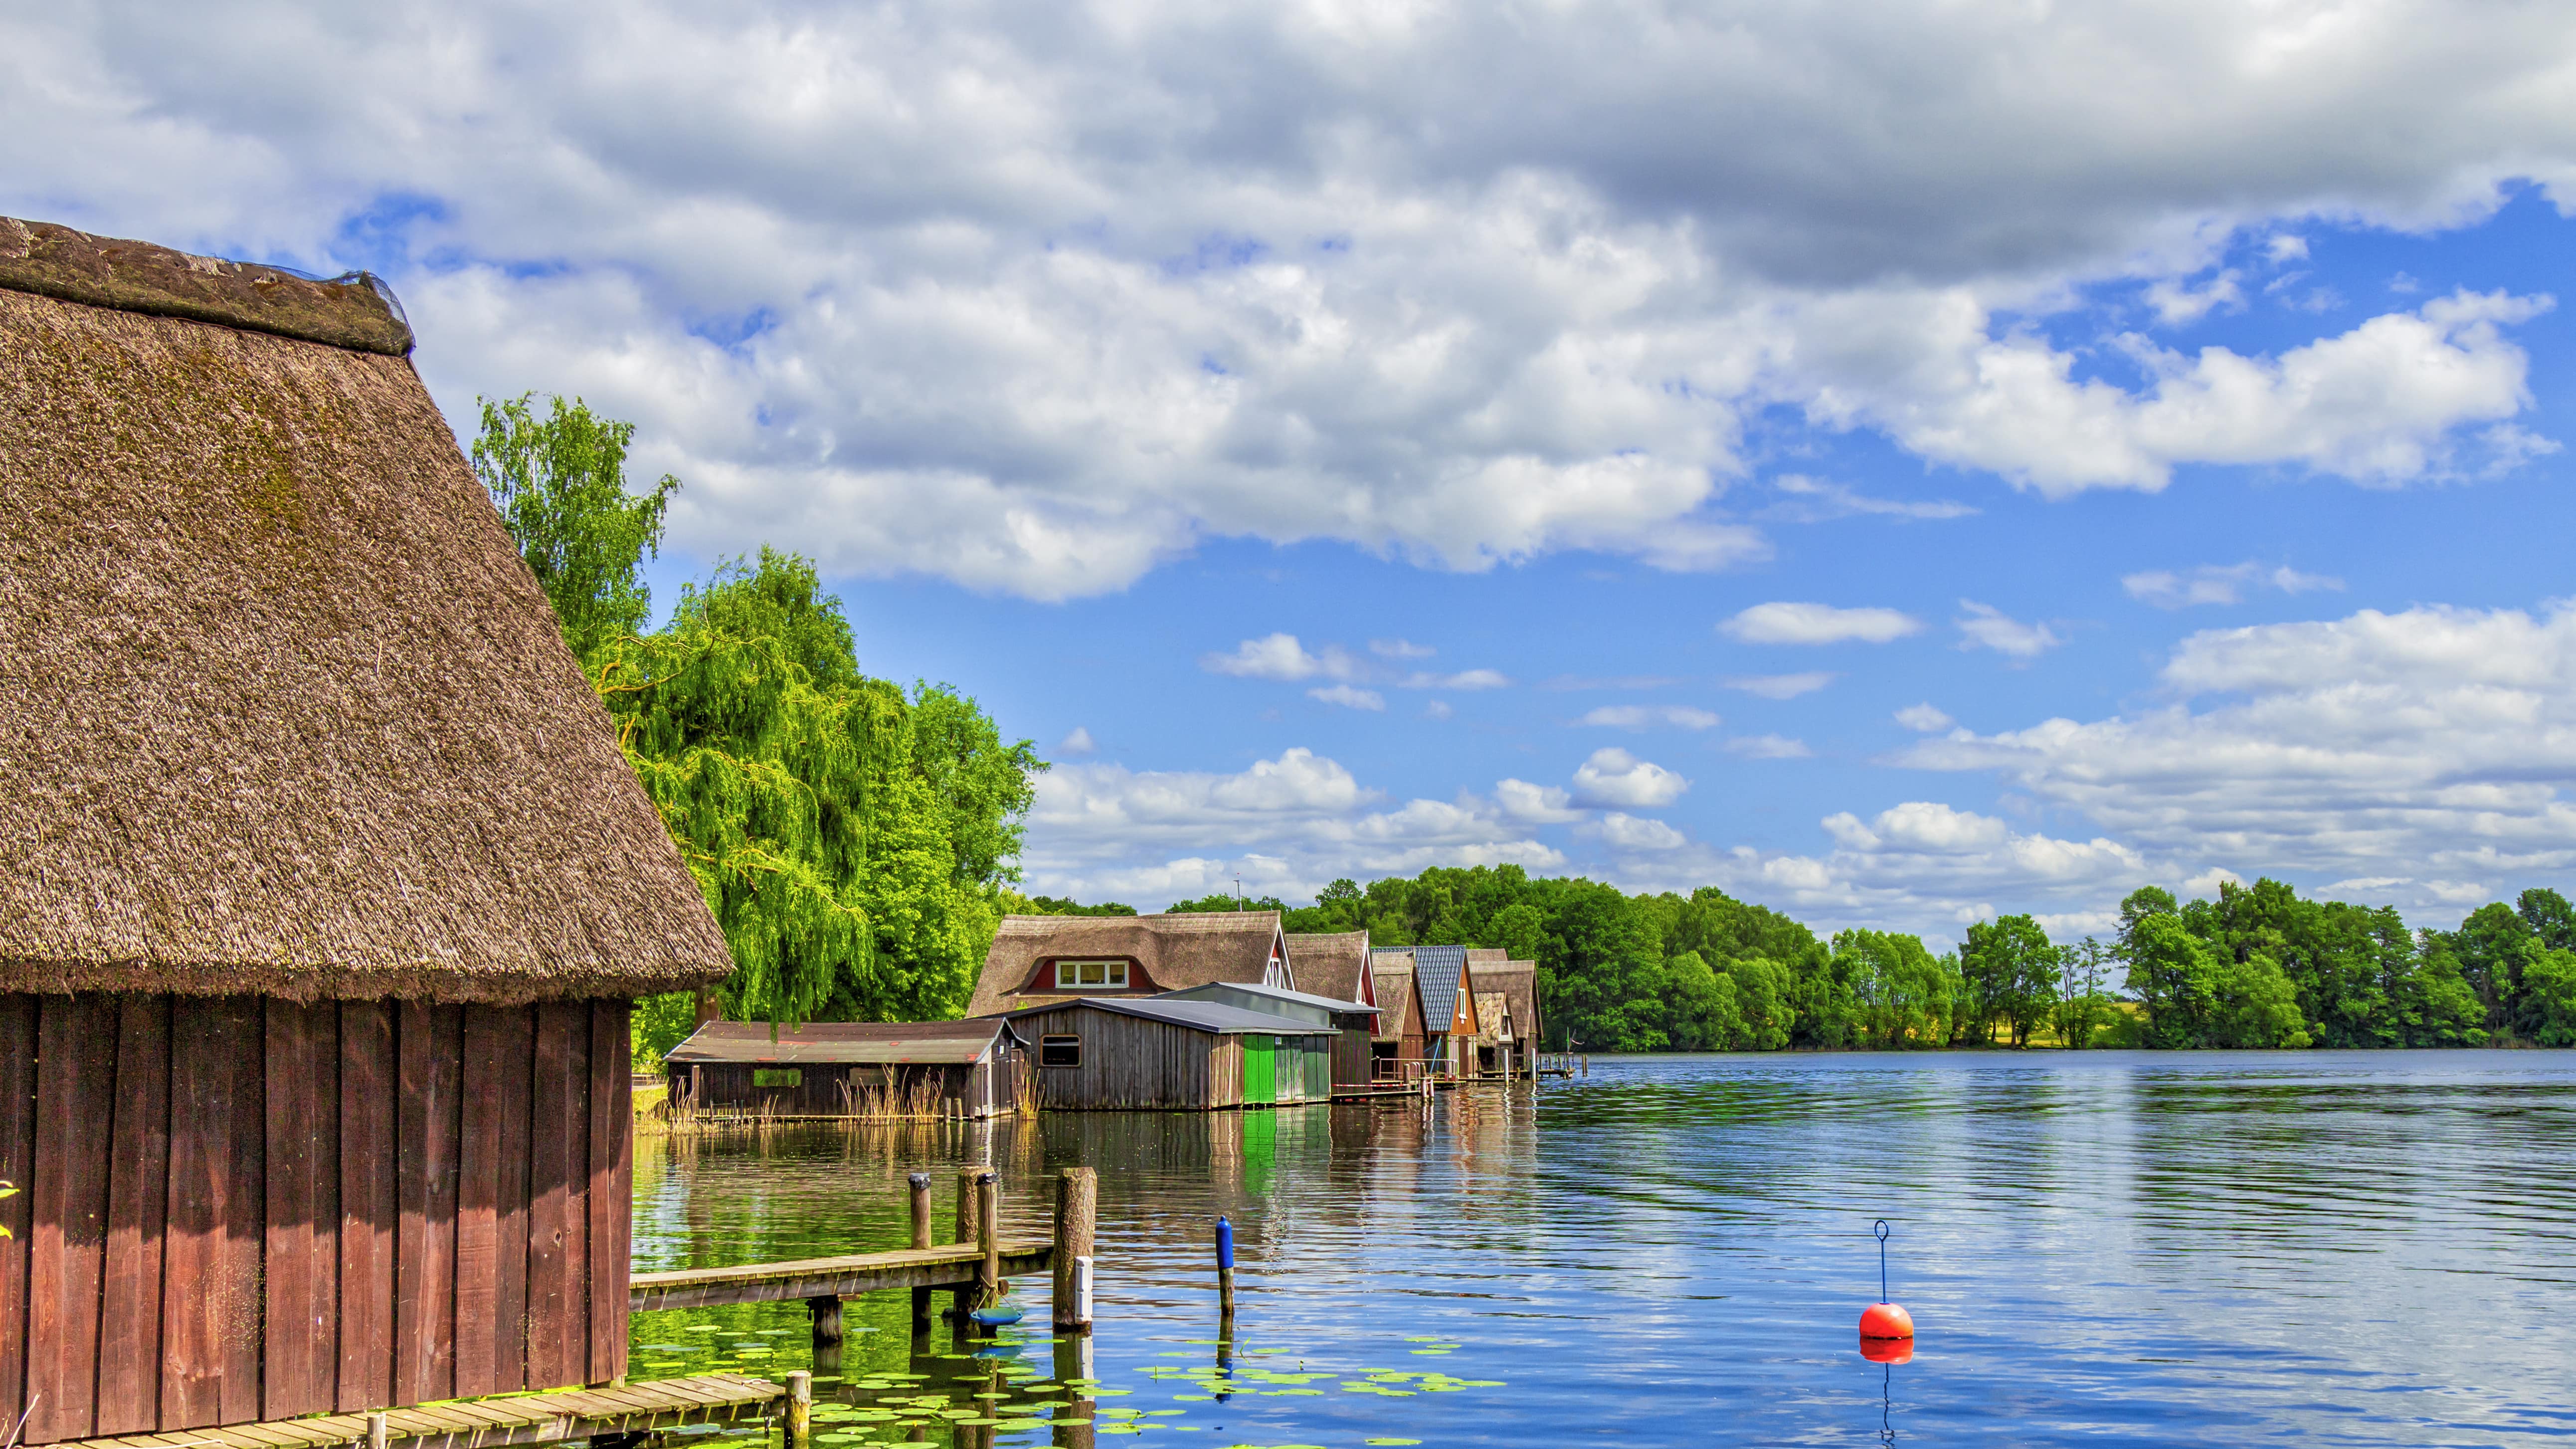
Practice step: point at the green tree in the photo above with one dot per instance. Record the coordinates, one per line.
(2010, 969)
(560, 485)
(2082, 1006)
(2549, 996)
(1224, 901)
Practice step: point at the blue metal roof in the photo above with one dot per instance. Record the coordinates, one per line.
(1438, 970)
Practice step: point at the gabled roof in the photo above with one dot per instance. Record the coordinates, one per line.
(281, 710)
(1170, 952)
(1205, 1016)
(1391, 971)
(1518, 982)
(829, 1043)
(1332, 964)
(1438, 972)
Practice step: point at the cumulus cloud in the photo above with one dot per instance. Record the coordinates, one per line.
(1622, 831)
(1985, 627)
(1817, 500)
(1348, 696)
(1279, 657)
(1290, 824)
(1037, 299)
(2436, 744)
(1647, 716)
(1615, 777)
(1076, 743)
(1818, 624)
(1924, 719)
(1769, 747)
(1781, 686)
(2219, 584)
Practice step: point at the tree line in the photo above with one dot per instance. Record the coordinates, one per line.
(2259, 966)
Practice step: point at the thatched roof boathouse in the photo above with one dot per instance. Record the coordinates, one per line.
(1040, 960)
(326, 885)
(848, 1069)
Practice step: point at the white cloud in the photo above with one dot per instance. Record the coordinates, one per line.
(1818, 624)
(1037, 299)
(1781, 686)
(1924, 719)
(1400, 649)
(1348, 696)
(1615, 777)
(2433, 745)
(1290, 824)
(1647, 716)
(1817, 500)
(1279, 657)
(1622, 831)
(1988, 628)
(1076, 743)
(2286, 248)
(2219, 584)
(1438, 709)
(1769, 747)
(1465, 679)
(2178, 303)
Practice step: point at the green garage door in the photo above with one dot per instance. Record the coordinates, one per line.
(1260, 1076)
(1319, 1069)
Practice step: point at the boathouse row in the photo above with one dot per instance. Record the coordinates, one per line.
(326, 885)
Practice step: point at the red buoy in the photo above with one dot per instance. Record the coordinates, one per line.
(1887, 1350)
(1886, 1321)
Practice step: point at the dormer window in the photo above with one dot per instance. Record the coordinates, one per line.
(1091, 976)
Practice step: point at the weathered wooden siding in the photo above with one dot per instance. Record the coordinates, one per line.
(1351, 1050)
(243, 1208)
(1129, 1062)
(829, 1091)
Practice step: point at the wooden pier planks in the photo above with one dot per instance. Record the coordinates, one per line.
(941, 1267)
(537, 1418)
(248, 1208)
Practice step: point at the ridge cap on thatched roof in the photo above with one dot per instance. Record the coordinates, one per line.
(1169, 951)
(355, 310)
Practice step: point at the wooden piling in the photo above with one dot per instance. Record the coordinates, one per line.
(962, 1301)
(379, 1433)
(920, 1183)
(800, 1409)
(1077, 1212)
(1224, 1272)
(826, 1311)
(988, 1234)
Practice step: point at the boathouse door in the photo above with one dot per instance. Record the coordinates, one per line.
(1260, 1072)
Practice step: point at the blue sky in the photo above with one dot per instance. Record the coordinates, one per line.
(1901, 466)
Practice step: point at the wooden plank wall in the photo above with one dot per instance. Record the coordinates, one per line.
(727, 1086)
(245, 1208)
(1130, 1062)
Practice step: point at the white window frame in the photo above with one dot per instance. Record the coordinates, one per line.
(1069, 975)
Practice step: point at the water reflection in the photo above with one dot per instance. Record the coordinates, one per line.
(2102, 1247)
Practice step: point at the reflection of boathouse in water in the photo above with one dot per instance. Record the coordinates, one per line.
(327, 886)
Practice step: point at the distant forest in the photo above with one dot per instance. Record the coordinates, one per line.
(858, 843)
(2257, 967)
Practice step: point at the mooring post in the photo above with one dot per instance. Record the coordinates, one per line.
(988, 1236)
(1225, 1269)
(379, 1434)
(800, 1408)
(1077, 1213)
(827, 1320)
(961, 1300)
(920, 1184)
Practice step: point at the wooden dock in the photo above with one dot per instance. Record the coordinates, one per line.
(953, 1266)
(532, 1419)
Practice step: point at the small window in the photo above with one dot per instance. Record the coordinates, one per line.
(777, 1077)
(1091, 975)
(1059, 1051)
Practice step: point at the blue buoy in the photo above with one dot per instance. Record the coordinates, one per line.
(1224, 1243)
(997, 1317)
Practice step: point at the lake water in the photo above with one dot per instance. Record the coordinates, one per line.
(2221, 1248)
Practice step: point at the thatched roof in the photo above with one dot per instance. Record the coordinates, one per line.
(281, 710)
(1166, 953)
(1391, 973)
(1331, 964)
(1518, 982)
(1493, 1019)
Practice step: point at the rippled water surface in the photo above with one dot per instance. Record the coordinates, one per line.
(2321, 1247)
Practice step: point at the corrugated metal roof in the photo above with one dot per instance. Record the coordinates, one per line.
(1437, 969)
(1219, 990)
(843, 1043)
(1199, 1015)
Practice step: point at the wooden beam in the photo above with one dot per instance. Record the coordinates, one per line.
(953, 1266)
